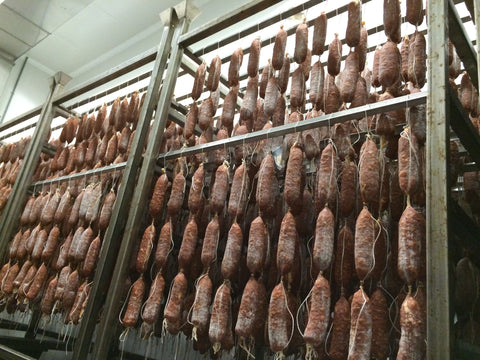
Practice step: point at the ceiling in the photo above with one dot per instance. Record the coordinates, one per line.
(68, 34)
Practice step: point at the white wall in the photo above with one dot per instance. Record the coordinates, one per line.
(31, 90)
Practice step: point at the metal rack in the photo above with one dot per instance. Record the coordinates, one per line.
(443, 111)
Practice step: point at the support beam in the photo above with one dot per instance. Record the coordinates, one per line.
(437, 153)
(14, 206)
(111, 243)
(113, 302)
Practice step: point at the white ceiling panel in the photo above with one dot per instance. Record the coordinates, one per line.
(12, 45)
(48, 14)
(56, 53)
(20, 27)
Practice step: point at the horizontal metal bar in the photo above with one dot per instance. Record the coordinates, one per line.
(122, 69)
(225, 21)
(277, 19)
(459, 37)
(7, 353)
(264, 24)
(112, 90)
(463, 127)
(104, 169)
(21, 118)
(330, 119)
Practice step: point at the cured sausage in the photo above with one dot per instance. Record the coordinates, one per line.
(340, 330)
(164, 245)
(360, 327)
(62, 258)
(267, 187)
(417, 60)
(280, 320)
(316, 85)
(39, 244)
(408, 163)
(297, 91)
(324, 239)
(411, 339)
(201, 306)
(232, 254)
(414, 13)
(344, 264)
(334, 56)
(219, 192)
(362, 47)
(380, 325)
(257, 246)
(158, 196)
(91, 258)
(254, 57)
(238, 192)
(228, 109)
(349, 77)
(25, 217)
(80, 299)
(205, 114)
(199, 81)
(195, 196)
(70, 291)
(91, 214)
(411, 237)
(348, 186)
(107, 210)
(219, 329)
(319, 34)
(301, 43)
(38, 282)
(319, 315)
(210, 242)
(214, 72)
(272, 93)
(50, 208)
(173, 308)
(135, 301)
(294, 180)
(192, 120)
(389, 64)
(376, 67)
(287, 244)
(50, 244)
(354, 23)
(267, 73)
(234, 67)
(326, 192)
(189, 243)
(392, 19)
(48, 299)
(331, 95)
(175, 201)
(369, 172)
(145, 249)
(151, 308)
(252, 312)
(284, 75)
(279, 49)
(366, 230)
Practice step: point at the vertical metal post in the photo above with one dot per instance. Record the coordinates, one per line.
(111, 243)
(13, 208)
(438, 300)
(476, 12)
(114, 301)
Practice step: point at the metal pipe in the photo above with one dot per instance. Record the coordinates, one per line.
(114, 232)
(325, 120)
(10, 97)
(11, 213)
(107, 326)
(437, 152)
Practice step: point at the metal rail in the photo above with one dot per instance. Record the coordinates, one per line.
(325, 120)
(225, 21)
(111, 245)
(109, 319)
(11, 213)
(439, 333)
(463, 46)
